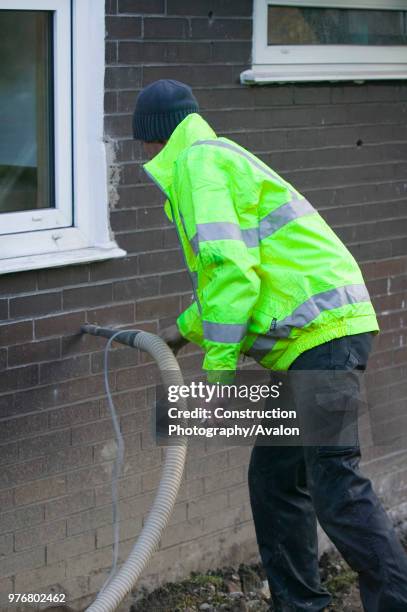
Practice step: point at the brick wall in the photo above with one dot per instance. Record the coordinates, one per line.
(343, 146)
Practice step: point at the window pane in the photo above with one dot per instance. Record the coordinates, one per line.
(331, 26)
(26, 132)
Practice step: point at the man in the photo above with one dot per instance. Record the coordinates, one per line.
(273, 281)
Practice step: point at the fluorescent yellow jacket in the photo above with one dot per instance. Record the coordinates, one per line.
(271, 279)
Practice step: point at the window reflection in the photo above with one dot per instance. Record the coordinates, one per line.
(330, 26)
(26, 115)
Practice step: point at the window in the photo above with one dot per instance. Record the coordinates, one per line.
(53, 191)
(315, 40)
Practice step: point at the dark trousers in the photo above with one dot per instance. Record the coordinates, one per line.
(291, 486)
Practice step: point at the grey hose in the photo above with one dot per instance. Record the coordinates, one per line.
(120, 585)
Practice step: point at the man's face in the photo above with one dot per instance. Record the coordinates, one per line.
(151, 149)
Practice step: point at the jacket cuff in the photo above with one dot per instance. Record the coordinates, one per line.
(190, 325)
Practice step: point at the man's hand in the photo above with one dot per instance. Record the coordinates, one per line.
(173, 338)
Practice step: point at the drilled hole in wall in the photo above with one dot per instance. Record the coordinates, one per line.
(210, 16)
(359, 143)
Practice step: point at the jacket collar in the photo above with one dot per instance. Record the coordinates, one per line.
(160, 168)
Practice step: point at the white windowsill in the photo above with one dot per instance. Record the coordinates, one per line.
(60, 258)
(283, 73)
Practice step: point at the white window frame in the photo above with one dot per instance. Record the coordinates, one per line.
(282, 63)
(78, 229)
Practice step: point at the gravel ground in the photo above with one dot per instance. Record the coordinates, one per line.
(243, 589)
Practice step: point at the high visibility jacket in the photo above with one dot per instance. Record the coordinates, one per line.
(271, 279)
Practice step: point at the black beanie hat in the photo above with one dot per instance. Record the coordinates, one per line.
(160, 107)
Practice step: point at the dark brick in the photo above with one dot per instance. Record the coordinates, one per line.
(64, 369)
(162, 52)
(118, 359)
(34, 352)
(398, 246)
(83, 297)
(68, 458)
(163, 261)
(235, 8)
(370, 250)
(232, 29)
(24, 426)
(110, 102)
(382, 269)
(136, 288)
(81, 343)
(141, 6)
(138, 195)
(7, 405)
(111, 52)
(58, 394)
(40, 490)
(123, 27)
(232, 52)
(60, 325)
(4, 309)
(164, 27)
(18, 282)
(44, 445)
(19, 378)
(112, 316)
(114, 268)
(128, 403)
(123, 220)
(312, 94)
(16, 333)
(348, 93)
(141, 241)
(52, 278)
(197, 75)
(11, 476)
(69, 504)
(118, 126)
(8, 454)
(29, 538)
(151, 216)
(175, 283)
(170, 238)
(111, 7)
(383, 92)
(70, 415)
(132, 174)
(127, 150)
(123, 77)
(137, 377)
(157, 307)
(21, 517)
(32, 305)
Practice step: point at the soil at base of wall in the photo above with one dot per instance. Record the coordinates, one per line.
(245, 589)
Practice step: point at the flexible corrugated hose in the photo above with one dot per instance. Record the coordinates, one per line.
(116, 589)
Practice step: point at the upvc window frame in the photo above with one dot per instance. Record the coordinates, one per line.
(78, 229)
(290, 63)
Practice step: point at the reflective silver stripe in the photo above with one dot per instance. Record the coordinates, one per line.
(247, 155)
(284, 214)
(221, 230)
(224, 230)
(224, 332)
(251, 236)
(307, 312)
(261, 347)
